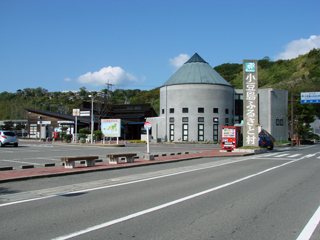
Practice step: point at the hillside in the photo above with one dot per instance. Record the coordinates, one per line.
(301, 74)
(297, 75)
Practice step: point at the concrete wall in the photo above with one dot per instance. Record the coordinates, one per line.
(273, 112)
(194, 96)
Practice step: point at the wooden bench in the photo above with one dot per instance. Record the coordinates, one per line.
(116, 158)
(69, 162)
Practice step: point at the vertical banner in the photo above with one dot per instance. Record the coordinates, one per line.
(250, 103)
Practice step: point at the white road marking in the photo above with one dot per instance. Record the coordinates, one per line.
(311, 226)
(18, 161)
(282, 155)
(270, 154)
(294, 155)
(59, 193)
(165, 205)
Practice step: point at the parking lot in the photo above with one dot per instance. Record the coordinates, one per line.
(39, 154)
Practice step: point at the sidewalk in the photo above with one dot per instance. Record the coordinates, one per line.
(16, 175)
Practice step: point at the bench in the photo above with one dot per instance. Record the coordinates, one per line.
(69, 162)
(116, 158)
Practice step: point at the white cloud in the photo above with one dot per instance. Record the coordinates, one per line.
(114, 75)
(300, 47)
(179, 60)
(67, 79)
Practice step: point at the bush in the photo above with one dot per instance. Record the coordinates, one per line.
(97, 135)
(83, 133)
(67, 138)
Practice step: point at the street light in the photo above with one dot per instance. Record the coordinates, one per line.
(92, 120)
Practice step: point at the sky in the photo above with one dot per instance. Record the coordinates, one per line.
(64, 45)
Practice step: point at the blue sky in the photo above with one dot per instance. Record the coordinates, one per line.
(138, 44)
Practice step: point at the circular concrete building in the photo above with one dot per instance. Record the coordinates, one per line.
(194, 102)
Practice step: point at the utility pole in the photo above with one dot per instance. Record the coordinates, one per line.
(92, 118)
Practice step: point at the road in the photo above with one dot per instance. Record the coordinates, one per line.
(40, 153)
(267, 196)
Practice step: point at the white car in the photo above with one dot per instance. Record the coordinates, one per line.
(8, 138)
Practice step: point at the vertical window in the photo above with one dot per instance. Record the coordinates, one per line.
(171, 110)
(185, 110)
(185, 132)
(162, 111)
(171, 133)
(227, 111)
(200, 132)
(215, 131)
(200, 110)
(200, 119)
(227, 121)
(216, 110)
(171, 119)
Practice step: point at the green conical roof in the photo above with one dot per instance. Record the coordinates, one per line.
(196, 70)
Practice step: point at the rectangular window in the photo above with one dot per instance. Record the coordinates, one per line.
(171, 119)
(216, 120)
(171, 133)
(227, 121)
(171, 110)
(215, 132)
(185, 119)
(185, 132)
(227, 111)
(216, 110)
(185, 110)
(200, 119)
(162, 111)
(200, 110)
(200, 132)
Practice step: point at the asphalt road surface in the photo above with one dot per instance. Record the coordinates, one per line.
(38, 153)
(262, 197)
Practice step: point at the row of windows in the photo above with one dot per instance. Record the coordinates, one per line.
(185, 132)
(201, 120)
(200, 110)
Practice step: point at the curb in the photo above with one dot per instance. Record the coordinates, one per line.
(115, 167)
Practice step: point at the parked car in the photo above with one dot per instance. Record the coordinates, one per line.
(8, 138)
(266, 140)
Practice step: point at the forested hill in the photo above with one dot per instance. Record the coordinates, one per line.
(301, 74)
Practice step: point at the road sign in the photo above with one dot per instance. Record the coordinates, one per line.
(84, 113)
(310, 97)
(147, 125)
(76, 112)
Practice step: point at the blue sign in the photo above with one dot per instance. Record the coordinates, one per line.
(250, 67)
(310, 97)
